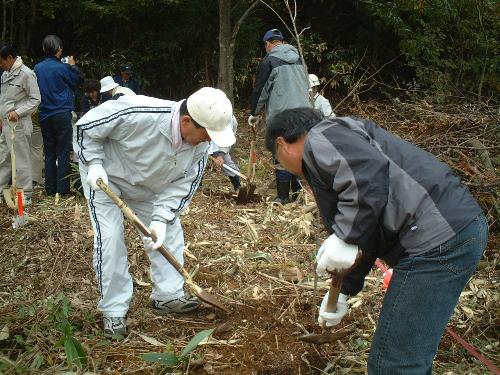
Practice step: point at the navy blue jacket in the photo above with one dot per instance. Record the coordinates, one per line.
(132, 84)
(57, 82)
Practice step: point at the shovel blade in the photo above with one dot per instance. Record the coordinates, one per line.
(323, 338)
(9, 199)
(20, 221)
(207, 297)
(242, 195)
(246, 193)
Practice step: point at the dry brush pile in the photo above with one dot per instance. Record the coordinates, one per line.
(257, 258)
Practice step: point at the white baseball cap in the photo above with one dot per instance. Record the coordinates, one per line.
(108, 83)
(211, 108)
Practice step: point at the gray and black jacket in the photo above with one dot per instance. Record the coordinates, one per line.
(385, 195)
(281, 82)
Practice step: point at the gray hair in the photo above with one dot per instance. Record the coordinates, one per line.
(51, 44)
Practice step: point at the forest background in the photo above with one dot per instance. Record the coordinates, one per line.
(426, 70)
(439, 50)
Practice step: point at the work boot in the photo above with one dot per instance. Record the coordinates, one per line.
(235, 181)
(114, 326)
(283, 188)
(296, 188)
(183, 304)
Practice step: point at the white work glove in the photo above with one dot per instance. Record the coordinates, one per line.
(333, 318)
(95, 172)
(335, 255)
(160, 230)
(253, 120)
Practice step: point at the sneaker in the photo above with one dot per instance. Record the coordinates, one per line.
(177, 305)
(114, 326)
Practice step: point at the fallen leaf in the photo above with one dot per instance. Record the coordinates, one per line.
(292, 274)
(210, 316)
(140, 282)
(4, 333)
(468, 311)
(150, 340)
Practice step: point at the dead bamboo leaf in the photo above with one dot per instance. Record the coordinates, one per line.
(141, 283)
(77, 214)
(292, 274)
(150, 340)
(4, 333)
(468, 311)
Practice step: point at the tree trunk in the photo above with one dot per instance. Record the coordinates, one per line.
(31, 26)
(11, 33)
(227, 44)
(224, 77)
(21, 28)
(4, 21)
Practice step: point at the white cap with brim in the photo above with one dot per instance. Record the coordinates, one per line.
(108, 83)
(211, 108)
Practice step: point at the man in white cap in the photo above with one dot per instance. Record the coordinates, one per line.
(153, 153)
(112, 89)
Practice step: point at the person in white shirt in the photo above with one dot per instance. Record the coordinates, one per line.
(319, 101)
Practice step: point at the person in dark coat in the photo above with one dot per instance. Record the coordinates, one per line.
(92, 96)
(393, 201)
(126, 78)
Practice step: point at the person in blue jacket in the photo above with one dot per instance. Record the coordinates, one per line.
(126, 78)
(57, 82)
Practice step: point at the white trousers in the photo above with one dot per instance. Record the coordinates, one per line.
(110, 254)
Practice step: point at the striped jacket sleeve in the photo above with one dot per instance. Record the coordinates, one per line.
(171, 201)
(91, 133)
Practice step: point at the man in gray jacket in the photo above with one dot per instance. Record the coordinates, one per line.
(281, 83)
(394, 201)
(19, 98)
(153, 153)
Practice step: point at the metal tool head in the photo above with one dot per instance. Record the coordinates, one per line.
(208, 298)
(246, 193)
(325, 337)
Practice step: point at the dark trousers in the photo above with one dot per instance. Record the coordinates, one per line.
(57, 135)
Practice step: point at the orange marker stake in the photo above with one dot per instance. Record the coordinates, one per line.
(20, 208)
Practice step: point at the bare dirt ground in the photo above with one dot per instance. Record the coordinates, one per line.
(249, 256)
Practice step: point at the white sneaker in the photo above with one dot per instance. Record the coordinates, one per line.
(177, 305)
(114, 326)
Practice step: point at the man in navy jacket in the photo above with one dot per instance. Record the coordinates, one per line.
(57, 82)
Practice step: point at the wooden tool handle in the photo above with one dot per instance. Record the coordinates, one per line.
(333, 295)
(142, 228)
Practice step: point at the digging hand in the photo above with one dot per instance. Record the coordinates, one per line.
(160, 230)
(335, 255)
(95, 172)
(13, 116)
(331, 319)
(253, 120)
(219, 161)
